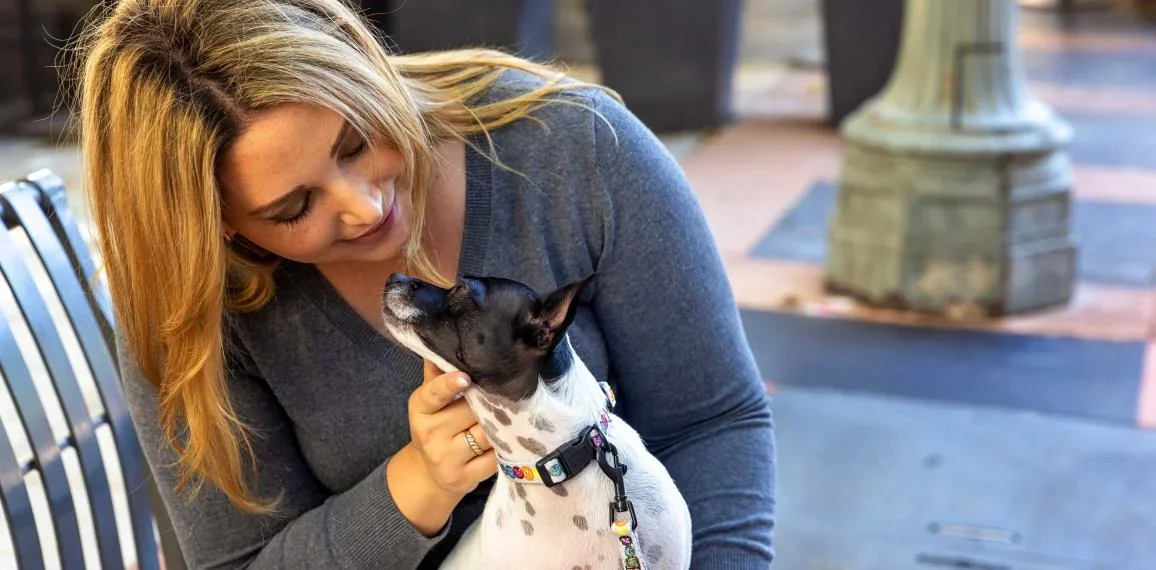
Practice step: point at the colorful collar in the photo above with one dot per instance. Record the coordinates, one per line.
(570, 458)
(566, 461)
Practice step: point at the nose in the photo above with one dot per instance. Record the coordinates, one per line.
(402, 282)
(361, 204)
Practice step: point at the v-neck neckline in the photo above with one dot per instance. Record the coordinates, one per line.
(471, 261)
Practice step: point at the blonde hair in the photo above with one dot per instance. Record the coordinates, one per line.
(163, 87)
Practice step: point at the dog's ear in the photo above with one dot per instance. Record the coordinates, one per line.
(553, 314)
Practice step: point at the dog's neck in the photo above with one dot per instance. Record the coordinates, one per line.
(555, 413)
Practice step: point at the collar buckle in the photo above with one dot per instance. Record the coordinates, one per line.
(572, 457)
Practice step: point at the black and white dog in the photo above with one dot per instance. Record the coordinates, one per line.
(576, 486)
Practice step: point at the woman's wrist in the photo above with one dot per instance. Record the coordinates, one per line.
(419, 499)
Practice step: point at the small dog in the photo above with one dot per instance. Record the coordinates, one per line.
(576, 487)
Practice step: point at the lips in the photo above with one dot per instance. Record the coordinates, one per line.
(374, 228)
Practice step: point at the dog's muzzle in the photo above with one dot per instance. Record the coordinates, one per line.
(398, 297)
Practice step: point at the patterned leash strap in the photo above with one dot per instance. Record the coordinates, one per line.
(631, 552)
(623, 521)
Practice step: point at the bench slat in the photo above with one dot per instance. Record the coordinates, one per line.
(39, 433)
(59, 215)
(17, 505)
(68, 391)
(28, 203)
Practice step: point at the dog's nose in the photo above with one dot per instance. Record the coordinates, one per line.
(401, 281)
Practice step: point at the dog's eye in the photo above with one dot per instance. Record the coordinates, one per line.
(460, 355)
(460, 297)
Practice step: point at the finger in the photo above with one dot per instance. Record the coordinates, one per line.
(482, 467)
(430, 371)
(439, 392)
(451, 421)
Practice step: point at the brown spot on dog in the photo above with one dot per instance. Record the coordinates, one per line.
(655, 553)
(559, 490)
(527, 528)
(542, 424)
(580, 522)
(653, 509)
(501, 417)
(533, 446)
(529, 508)
(521, 490)
(502, 445)
(497, 442)
(507, 404)
(487, 404)
(601, 557)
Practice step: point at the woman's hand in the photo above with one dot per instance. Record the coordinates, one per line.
(439, 421)
(430, 475)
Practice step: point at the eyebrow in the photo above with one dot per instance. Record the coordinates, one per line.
(270, 207)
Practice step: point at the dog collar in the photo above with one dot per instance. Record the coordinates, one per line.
(571, 457)
(564, 462)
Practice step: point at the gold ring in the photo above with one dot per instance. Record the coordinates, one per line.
(473, 443)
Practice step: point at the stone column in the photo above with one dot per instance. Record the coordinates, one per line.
(955, 188)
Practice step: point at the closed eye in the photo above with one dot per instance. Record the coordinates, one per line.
(357, 151)
(459, 298)
(298, 216)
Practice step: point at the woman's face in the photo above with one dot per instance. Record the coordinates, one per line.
(300, 183)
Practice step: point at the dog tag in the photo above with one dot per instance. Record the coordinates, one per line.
(557, 473)
(610, 397)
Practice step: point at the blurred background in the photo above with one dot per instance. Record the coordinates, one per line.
(938, 218)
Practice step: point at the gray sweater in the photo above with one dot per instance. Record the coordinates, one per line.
(328, 393)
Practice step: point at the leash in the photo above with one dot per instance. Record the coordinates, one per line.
(569, 459)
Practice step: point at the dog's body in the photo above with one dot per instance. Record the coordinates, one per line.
(568, 526)
(525, 522)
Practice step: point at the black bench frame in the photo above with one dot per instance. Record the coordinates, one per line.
(37, 204)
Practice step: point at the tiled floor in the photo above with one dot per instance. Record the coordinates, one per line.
(768, 184)
(869, 483)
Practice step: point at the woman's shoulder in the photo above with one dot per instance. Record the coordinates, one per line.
(515, 82)
(579, 114)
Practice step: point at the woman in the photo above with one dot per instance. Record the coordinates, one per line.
(257, 168)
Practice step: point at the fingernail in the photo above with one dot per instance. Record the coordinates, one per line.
(459, 395)
(462, 382)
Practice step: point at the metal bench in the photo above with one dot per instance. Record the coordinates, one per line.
(50, 245)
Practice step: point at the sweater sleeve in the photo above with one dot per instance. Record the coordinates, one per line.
(312, 528)
(687, 378)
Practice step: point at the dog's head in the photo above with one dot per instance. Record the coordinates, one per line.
(498, 331)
